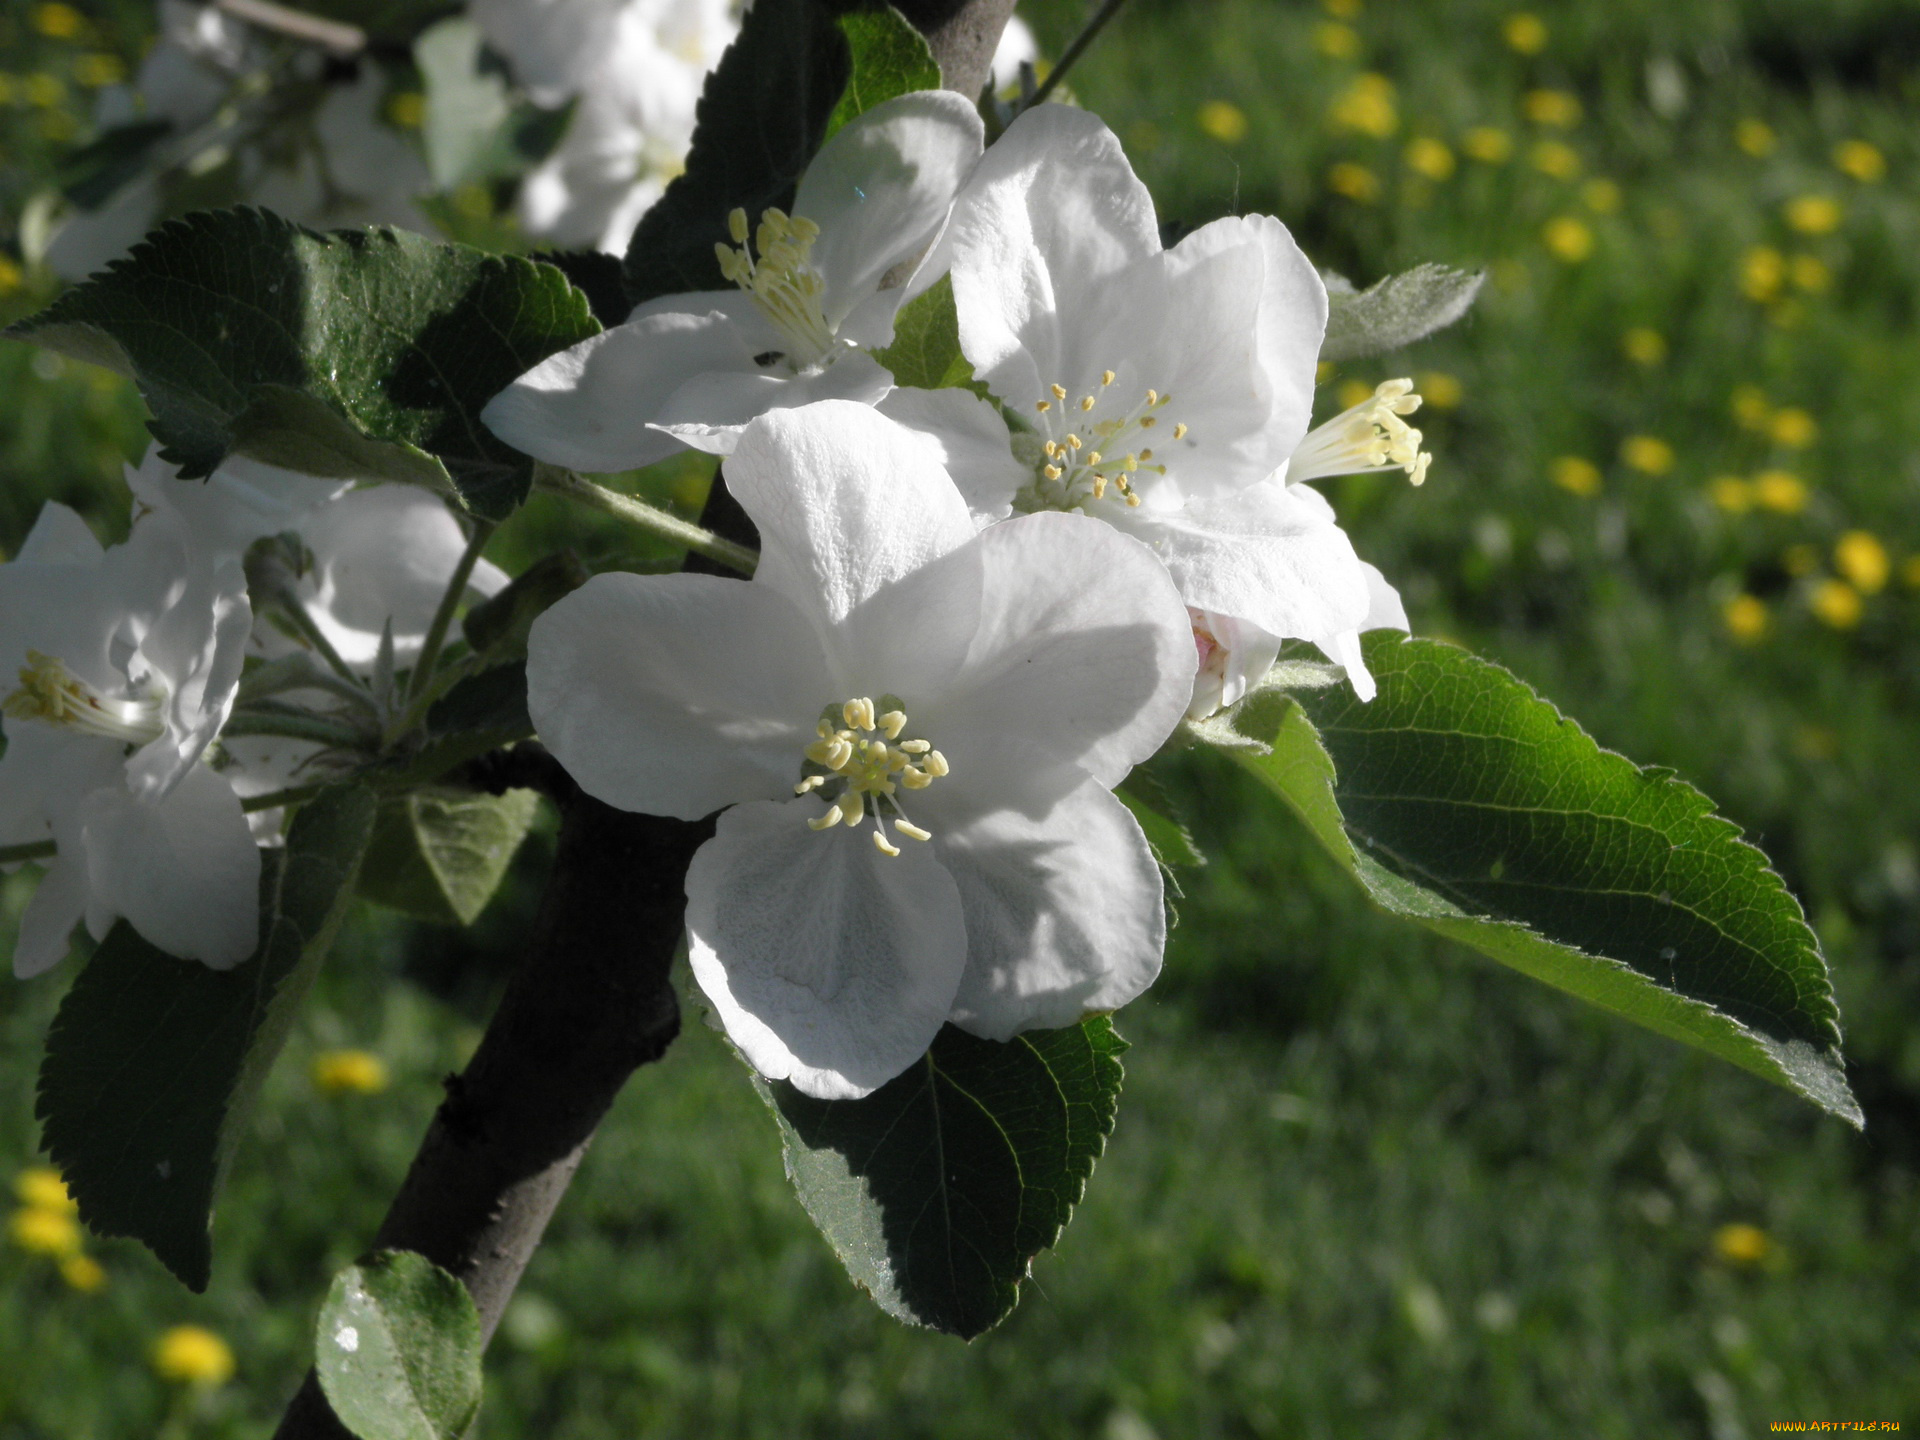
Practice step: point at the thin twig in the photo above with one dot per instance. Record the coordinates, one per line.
(1088, 33)
(650, 518)
(449, 603)
(346, 41)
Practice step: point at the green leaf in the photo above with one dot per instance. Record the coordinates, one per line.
(363, 353)
(925, 352)
(397, 1348)
(499, 624)
(761, 117)
(890, 59)
(1395, 311)
(153, 1063)
(440, 854)
(466, 127)
(1167, 834)
(938, 1189)
(1462, 800)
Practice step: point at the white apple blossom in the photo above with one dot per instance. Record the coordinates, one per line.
(918, 728)
(1166, 392)
(634, 71)
(825, 282)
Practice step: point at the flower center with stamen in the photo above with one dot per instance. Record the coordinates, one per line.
(785, 286)
(1093, 448)
(863, 764)
(1369, 436)
(52, 694)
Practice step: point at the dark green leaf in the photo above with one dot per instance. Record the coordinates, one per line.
(499, 624)
(938, 1189)
(366, 353)
(439, 855)
(153, 1063)
(1462, 800)
(1395, 311)
(762, 116)
(926, 343)
(890, 58)
(1159, 817)
(397, 1348)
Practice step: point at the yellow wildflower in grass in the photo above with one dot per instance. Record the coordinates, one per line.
(1356, 182)
(407, 109)
(1813, 214)
(1862, 559)
(1644, 346)
(1910, 572)
(1439, 389)
(1793, 427)
(1746, 618)
(1800, 560)
(97, 68)
(58, 22)
(1575, 476)
(1367, 106)
(1568, 238)
(192, 1355)
(342, 1072)
(1836, 603)
(1352, 393)
(1341, 9)
(1750, 407)
(41, 1187)
(1648, 454)
(45, 91)
(1558, 108)
(1861, 159)
(1487, 145)
(1741, 1244)
(1336, 41)
(82, 1273)
(44, 1232)
(1755, 136)
(1550, 157)
(1810, 273)
(1525, 33)
(1762, 270)
(1430, 157)
(1731, 493)
(1224, 121)
(9, 276)
(1780, 491)
(1600, 196)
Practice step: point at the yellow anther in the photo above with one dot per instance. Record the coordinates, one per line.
(1146, 454)
(1073, 442)
(1052, 472)
(893, 722)
(1043, 405)
(1153, 397)
(916, 747)
(812, 782)
(1106, 377)
(1099, 487)
(857, 714)
(1093, 457)
(737, 225)
(1059, 391)
(1050, 449)
(915, 779)
(1132, 499)
(1147, 422)
(1180, 432)
(1086, 402)
(1132, 464)
(882, 844)
(827, 821)
(936, 764)
(911, 830)
(853, 809)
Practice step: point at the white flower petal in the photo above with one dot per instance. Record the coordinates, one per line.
(46, 925)
(590, 407)
(975, 446)
(880, 190)
(58, 537)
(846, 501)
(235, 506)
(1064, 913)
(831, 965)
(1384, 608)
(708, 411)
(184, 871)
(194, 650)
(676, 694)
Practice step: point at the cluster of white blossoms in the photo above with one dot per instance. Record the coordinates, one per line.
(146, 696)
(971, 616)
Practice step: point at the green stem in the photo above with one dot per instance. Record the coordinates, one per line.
(1088, 34)
(31, 850)
(273, 799)
(650, 518)
(290, 606)
(449, 603)
(297, 726)
(297, 672)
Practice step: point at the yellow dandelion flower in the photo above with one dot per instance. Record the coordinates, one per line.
(1224, 121)
(1367, 106)
(1644, 346)
(1550, 157)
(1525, 33)
(83, 1273)
(1341, 9)
(41, 1187)
(10, 276)
(45, 91)
(1648, 454)
(1837, 604)
(1755, 136)
(1741, 1244)
(58, 22)
(1575, 476)
(1430, 157)
(1356, 182)
(1488, 145)
(1568, 238)
(1863, 560)
(97, 68)
(1750, 407)
(1336, 41)
(1600, 196)
(1731, 493)
(1800, 560)
(1861, 159)
(1440, 390)
(1352, 393)
(1558, 108)
(193, 1355)
(407, 109)
(1762, 270)
(342, 1072)
(1793, 427)
(1780, 491)
(44, 1232)
(1810, 273)
(1746, 618)
(1813, 214)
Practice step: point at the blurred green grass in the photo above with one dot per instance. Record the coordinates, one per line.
(1362, 1182)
